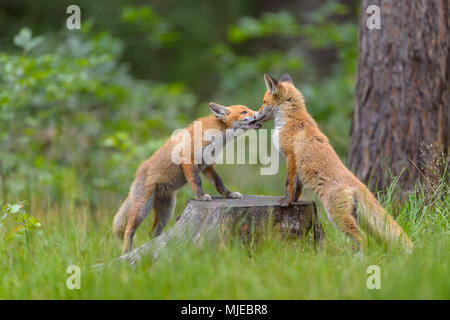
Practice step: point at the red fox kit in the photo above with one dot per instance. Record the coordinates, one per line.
(311, 160)
(158, 178)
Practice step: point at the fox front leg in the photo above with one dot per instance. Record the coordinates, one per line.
(291, 182)
(214, 178)
(298, 184)
(192, 176)
(263, 115)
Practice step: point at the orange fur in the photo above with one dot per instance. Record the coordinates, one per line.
(311, 160)
(158, 178)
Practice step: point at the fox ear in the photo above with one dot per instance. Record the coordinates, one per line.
(286, 78)
(271, 83)
(218, 110)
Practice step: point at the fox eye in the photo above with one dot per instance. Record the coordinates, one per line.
(244, 112)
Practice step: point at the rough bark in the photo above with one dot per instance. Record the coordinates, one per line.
(401, 117)
(214, 221)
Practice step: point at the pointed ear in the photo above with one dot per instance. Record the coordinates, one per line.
(286, 78)
(271, 83)
(218, 110)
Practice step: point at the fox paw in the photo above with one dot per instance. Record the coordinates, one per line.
(235, 195)
(284, 202)
(206, 197)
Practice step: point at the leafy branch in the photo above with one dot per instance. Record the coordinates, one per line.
(26, 224)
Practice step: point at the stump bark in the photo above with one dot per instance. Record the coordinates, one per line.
(217, 220)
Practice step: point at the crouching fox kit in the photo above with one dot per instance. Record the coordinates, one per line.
(310, 159)
(158, 178)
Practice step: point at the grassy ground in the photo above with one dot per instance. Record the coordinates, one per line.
(276, 269)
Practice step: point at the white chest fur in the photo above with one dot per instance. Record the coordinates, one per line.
(279, 124)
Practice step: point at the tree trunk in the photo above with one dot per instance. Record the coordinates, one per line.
(214, 221)
(401, 118)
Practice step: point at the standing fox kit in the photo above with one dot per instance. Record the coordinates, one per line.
(311, 160)
(158, 178)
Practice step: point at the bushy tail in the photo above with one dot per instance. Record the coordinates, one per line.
(120, 219)
(381, 224)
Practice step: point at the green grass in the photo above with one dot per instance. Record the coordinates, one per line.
(275, 269)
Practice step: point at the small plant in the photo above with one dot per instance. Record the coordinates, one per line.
(26, 225)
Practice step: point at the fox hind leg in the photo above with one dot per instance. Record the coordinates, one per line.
(164, 206)
(141, 202)
(349, 225)
(342, 214)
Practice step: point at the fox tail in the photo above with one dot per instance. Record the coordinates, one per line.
(381, 224)
(120, 219)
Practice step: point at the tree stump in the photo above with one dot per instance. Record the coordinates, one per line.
(216, 220)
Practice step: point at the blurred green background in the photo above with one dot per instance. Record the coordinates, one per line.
(81, 109)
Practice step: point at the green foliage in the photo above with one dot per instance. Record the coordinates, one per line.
(58, 106)
(158, 32)
(329, 8)
(25, 224)
(276, 24)
(25, 40)
(76, 120)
